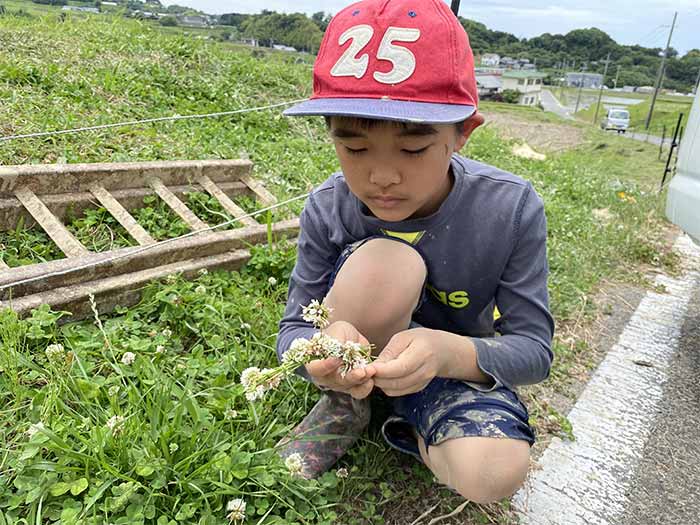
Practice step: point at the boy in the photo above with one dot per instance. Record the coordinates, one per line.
(413, 248)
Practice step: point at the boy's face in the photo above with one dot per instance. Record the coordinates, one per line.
(397, 172)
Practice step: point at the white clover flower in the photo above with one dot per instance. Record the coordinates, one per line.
(160, 349)
(35, 428)
(245, 326)
(342, 473)
(249, 376)
(316, 313)
(113, 390)
(173, 447)
(231, 414)
(201, 289)
(167, 332)
(272, 281)
(294, 463)
(55, 352)
(171, 278)
(128, 358)
(203, 271)
(115, 424)
(236, 510)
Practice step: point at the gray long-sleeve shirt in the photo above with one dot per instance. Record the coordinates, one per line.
(484, 247)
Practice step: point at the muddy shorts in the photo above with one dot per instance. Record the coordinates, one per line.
(446, 408)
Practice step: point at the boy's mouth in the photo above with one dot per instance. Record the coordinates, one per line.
(386, 201)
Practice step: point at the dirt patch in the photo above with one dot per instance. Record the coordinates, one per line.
(541, 136)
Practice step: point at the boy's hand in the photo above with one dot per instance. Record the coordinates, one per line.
(410, 360)
(325, 373)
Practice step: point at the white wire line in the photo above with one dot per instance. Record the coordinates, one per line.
(150, 246)
(145, 121)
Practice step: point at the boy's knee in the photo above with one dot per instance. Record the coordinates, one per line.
(482, 477)
(380, 283)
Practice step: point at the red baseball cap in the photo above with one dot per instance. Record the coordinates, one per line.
(405, 60)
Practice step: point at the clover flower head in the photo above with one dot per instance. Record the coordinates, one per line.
(113, 390)
(160, 349)
(342, 473)
(245, 326)
(354, 356)
(257, 382)
(272, 281)
(171, 278)
(128, 358)
(167, 332)
(35, 428)
(55, 352)
(236, 510)
(316, 313)
(294, 463)
(173, 447)
(115, 424)
(201, 289)
(203, 271)
(230, 413)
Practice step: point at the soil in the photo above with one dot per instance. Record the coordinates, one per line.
(544, 137)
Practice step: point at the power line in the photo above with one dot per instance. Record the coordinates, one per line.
(660, 74)
(146, 121)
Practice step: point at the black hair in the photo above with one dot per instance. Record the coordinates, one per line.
(370, 123)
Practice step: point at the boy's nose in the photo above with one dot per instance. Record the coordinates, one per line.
(384, 176)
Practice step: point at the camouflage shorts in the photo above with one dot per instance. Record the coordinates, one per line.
(449, 409)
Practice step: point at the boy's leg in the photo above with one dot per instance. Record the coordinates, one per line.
(481, 469)
(377, 289)
(377, 285)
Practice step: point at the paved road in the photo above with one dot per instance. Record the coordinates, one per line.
(552, 104)
(636, 457)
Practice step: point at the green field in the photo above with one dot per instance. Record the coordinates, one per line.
(189, 442)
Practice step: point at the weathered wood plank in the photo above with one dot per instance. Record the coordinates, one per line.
(177, 205)
(261, 192)
(45, 179)
(230, 206)
(61, 273)
(124, 217)
(123, 290)
(51, 225)
(11, 210)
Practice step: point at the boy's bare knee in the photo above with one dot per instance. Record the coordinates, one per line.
(378, 286)
(482, 470)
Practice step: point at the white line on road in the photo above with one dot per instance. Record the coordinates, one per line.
(584, 481)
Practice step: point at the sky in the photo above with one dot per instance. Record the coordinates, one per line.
(643, 22)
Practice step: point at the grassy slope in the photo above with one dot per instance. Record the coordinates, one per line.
(183, 452)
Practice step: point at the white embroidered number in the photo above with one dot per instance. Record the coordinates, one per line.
(404, 61)
(349, 64)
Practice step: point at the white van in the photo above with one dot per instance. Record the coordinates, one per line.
(683, 202)
(617, 119)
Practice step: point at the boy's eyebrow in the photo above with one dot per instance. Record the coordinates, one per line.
(341, 133)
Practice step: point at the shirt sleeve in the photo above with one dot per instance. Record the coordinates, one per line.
(522, 355)
(316, 257)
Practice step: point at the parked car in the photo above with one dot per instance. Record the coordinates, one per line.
(616, 119)
(683, 201)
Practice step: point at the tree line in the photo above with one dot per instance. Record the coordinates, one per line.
(574, 51)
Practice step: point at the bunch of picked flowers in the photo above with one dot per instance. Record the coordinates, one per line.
(257, 382)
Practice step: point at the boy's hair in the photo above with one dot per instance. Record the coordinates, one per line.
(370, 123)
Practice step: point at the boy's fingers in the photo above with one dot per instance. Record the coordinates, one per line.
(322, 367)
(363, 390)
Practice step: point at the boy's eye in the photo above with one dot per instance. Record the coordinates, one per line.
(355, 151)
(415, 151)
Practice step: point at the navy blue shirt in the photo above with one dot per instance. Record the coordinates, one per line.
(484, 247)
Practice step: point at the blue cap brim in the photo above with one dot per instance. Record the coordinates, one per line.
(382, 109)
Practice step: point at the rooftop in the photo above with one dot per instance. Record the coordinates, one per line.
(523, 74)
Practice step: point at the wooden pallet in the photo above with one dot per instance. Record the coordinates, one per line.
(42, 195)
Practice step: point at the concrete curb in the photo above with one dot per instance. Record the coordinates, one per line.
(585, 481)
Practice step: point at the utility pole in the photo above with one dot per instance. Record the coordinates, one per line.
(600, 93)
(455, 6)
(617, 76)
(580, 87)
(659, 76)
(697, 84)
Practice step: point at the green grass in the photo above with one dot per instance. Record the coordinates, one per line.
(190, 442)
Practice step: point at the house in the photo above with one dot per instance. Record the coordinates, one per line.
(587, 80)
(508, 62)
(193, 20)
(111, 4)
(488, 85)
(280, 47)
(250, 42)
(80, 8)
(490, 59)
(527, 83)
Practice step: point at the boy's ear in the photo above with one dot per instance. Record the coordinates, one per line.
(473, 122)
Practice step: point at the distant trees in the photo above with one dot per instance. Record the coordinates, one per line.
(168, 21)
(51, 2)
(296, 30)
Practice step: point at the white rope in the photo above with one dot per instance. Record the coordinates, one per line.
(145, 121)
(150, 246)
